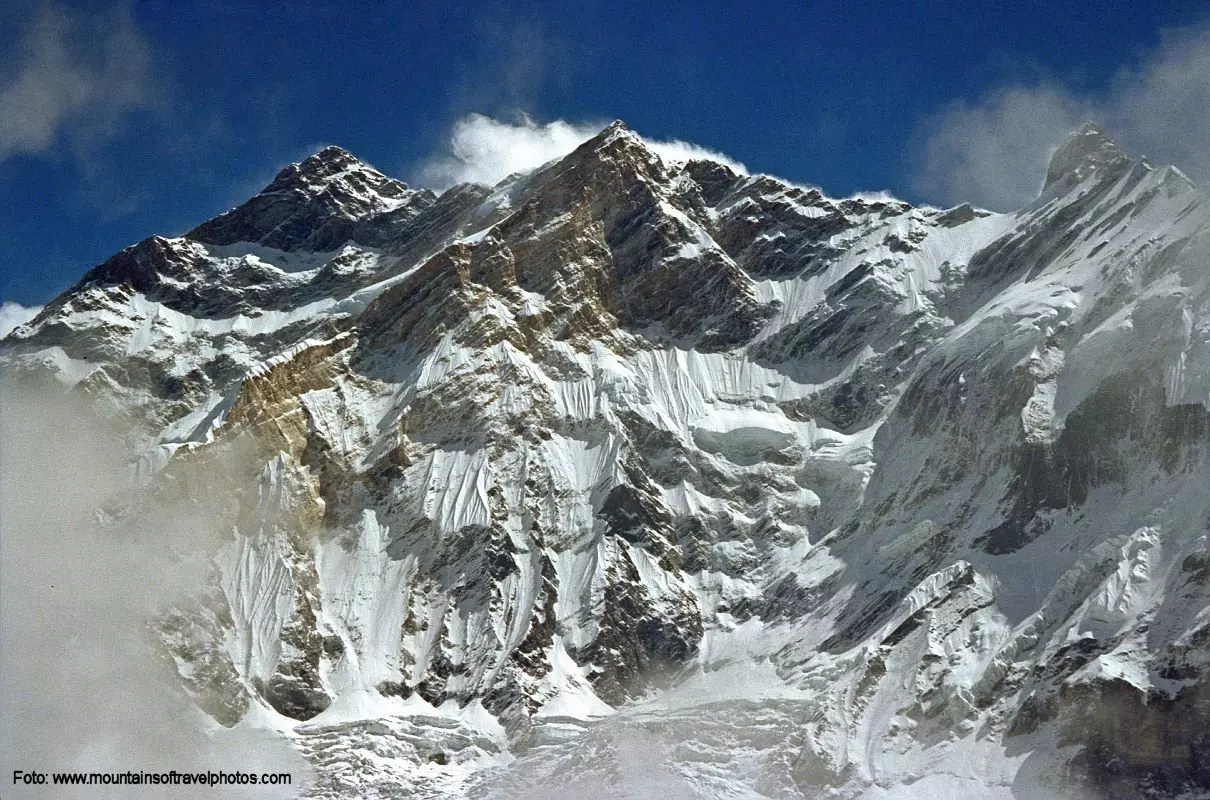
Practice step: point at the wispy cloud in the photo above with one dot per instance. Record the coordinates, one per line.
(481, 149)
(993, 152)
(515, 61)
(77, 73)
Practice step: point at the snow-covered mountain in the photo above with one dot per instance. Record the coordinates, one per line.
(627, 477)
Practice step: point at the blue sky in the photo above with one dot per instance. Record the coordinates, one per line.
(120, 120)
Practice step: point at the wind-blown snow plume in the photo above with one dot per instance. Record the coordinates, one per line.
(486, 150)
(992, 152)
(677, 150)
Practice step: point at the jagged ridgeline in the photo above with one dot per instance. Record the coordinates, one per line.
(790, 494)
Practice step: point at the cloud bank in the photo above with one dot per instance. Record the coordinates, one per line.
(14, 314)
(486, 150)
(77, 73)
(84, 685)
(993, 152)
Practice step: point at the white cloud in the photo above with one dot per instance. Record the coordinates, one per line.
(486, 150)
(77, 71)
(14, 314)
(993, 152)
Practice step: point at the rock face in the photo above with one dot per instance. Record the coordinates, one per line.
(792, 495)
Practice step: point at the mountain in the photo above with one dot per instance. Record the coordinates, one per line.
(627, 477)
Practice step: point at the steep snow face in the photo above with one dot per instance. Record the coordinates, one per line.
(625, 465)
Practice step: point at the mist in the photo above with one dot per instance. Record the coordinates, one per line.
(84, 569)
(993, 152)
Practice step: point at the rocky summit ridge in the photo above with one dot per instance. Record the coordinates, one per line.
(628, 461)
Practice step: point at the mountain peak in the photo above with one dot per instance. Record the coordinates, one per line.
(316, 171)
(1085, 150)
(534, 451)
(313, 203)
(332, 151)
(329, 159)
(614, 137)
